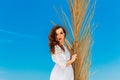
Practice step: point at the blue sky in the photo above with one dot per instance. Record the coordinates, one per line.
(24, 28)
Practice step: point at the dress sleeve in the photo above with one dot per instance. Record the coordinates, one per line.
(59, 58)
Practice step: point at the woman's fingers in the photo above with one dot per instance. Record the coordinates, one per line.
(74, 56)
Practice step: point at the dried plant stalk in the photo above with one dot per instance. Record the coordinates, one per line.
(79, 29)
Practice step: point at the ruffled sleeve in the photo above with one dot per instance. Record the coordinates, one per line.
(59, 58)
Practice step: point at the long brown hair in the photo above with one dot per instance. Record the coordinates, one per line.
(52, 38)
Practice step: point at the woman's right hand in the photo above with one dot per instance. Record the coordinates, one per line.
(74, 56)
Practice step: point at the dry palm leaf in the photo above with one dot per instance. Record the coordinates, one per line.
(79, 29)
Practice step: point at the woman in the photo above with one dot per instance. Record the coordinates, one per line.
(60, 55)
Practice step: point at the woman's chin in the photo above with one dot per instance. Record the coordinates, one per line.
(61, 41)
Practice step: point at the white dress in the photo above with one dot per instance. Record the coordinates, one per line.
(60, 70)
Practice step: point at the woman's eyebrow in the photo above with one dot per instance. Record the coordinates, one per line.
(56, 33)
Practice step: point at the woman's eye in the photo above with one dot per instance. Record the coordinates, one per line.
(61, 33)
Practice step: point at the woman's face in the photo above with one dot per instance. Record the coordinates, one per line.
(60, 35)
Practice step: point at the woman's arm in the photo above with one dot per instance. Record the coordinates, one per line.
(58, 58)
(71, 60)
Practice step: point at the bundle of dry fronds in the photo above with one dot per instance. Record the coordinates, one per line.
(80, 31)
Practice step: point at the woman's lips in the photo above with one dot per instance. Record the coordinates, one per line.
(59, 38)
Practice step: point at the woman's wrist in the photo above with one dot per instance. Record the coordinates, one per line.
(69, 62)
(72, 61)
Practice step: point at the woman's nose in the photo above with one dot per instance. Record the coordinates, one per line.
(58, 35)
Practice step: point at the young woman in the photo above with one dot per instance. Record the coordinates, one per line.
(60, 55)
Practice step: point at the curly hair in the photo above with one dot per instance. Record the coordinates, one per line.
(52, 38)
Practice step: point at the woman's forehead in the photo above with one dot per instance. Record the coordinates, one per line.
(59, 30)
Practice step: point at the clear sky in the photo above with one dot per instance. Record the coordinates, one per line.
(24, 29)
